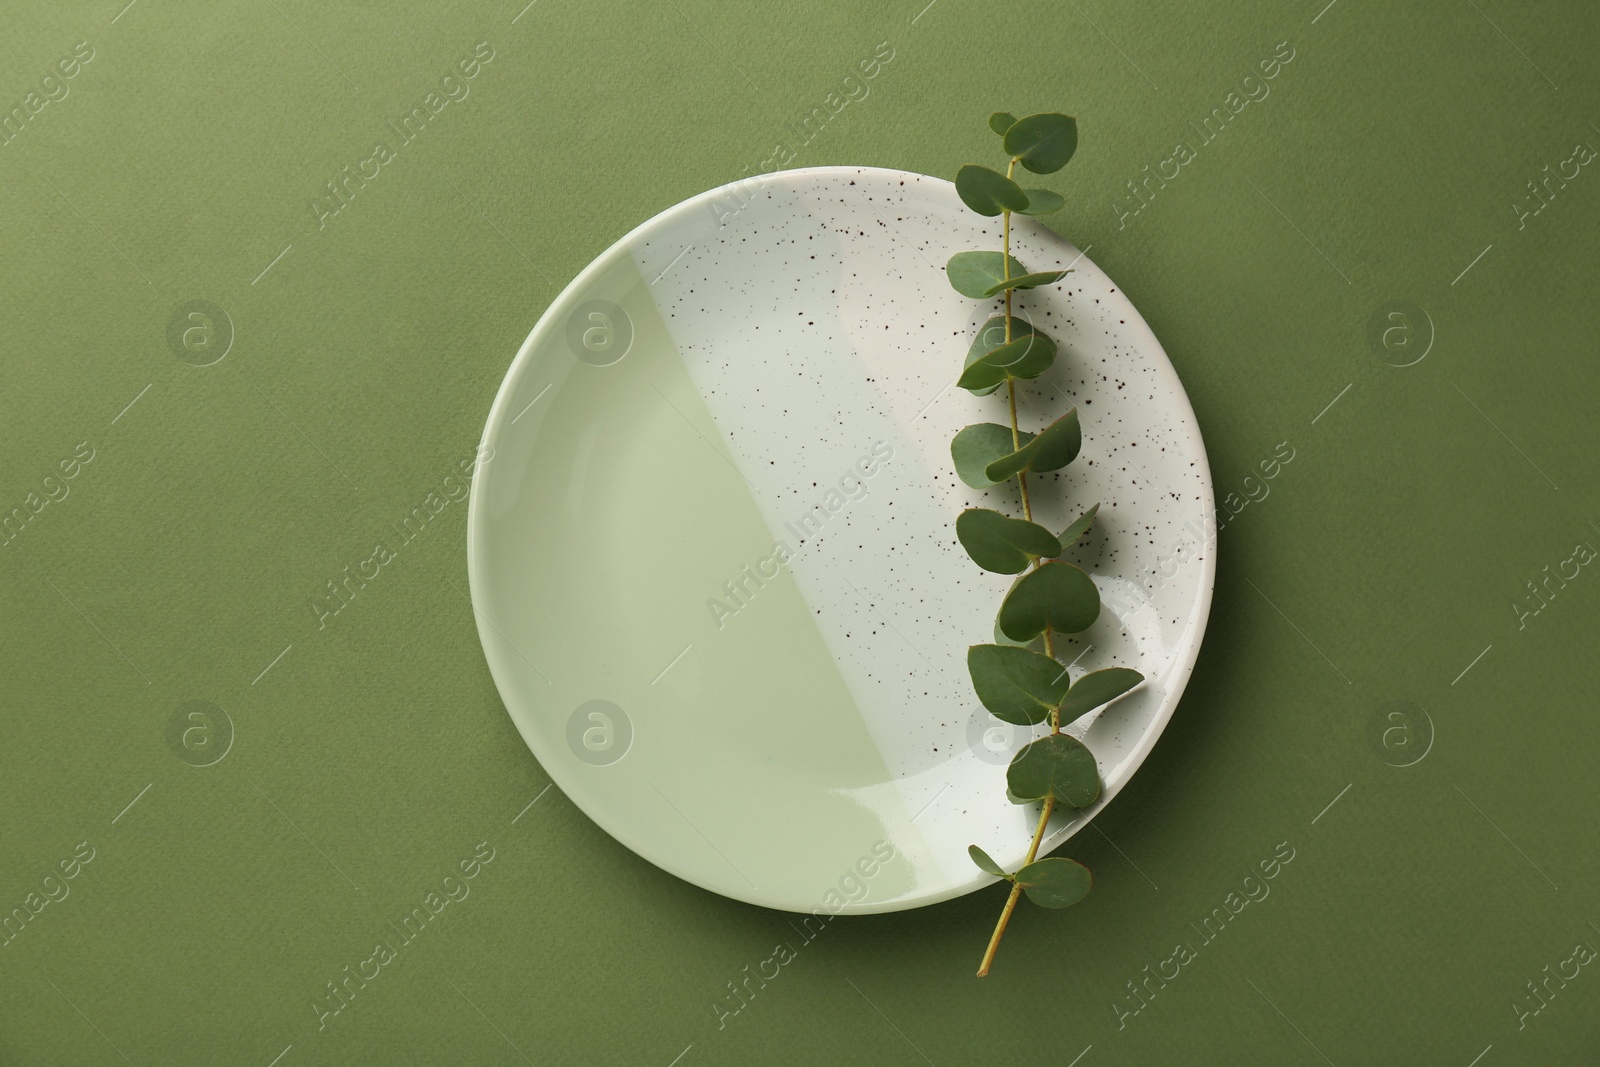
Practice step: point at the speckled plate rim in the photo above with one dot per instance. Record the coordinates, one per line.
(501, 666)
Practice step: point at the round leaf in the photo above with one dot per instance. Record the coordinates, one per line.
(1096, 688)
(1058, 444)
(985, 864)
(1058, 765)
(1041, 202)
(991, 336)
(1002, 544)
(1027, 356)
(1057, 596)
(1071, 534)
(1025, 281)
(1042, 143)
(989, 192)
(1000, 638)
(1016, 685)
(979, 445)
(1001, 121)
(972, 273)
(1055, 447)
(1056, 882)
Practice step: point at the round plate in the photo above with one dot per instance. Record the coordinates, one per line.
(713, 550)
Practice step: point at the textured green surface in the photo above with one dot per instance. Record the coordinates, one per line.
(373, 757)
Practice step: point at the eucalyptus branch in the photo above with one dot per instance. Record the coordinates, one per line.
(1015, 683)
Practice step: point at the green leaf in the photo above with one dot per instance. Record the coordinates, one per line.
(1017, 686)
(1057, 444)
(1057, 595)
(972, 273)
(1096, 688)
(1071, 534)
(1027, 356)
(987, 865)
(1055, 447)
(989, 192)
(990, 337)
(1002, 544)
(1056, 882)
(1025, 281)
(1058, 765)
(1000, 638)
(1041, 202)
(1001, 121)
(1042, 143)
(979, 445)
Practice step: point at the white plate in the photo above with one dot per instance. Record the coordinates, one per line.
(770, 364)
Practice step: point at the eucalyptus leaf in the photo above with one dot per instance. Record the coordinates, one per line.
(1054, 447)
(979, 445)
(1001, 121)
(988, 192)
(1017, 686)
(1042, 143)
(1002, 544)
(1058, 444)
(985, 863)
(1026, 281)
(991, 336)
(1096, 688)
(1056, 882)
(1041, 202)
(1000, 638)
(1080, 526)
(972, 273)
(1027, 356)
(1058, 765)
(1057, 596)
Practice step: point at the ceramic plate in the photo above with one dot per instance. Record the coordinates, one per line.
(713, 555)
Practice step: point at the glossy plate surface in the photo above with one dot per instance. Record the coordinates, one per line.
(713, 555)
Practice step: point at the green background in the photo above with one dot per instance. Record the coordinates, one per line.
(374, 754)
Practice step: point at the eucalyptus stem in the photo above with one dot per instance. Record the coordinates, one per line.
(1017, 684)
(1016, 891)
(1011, 383)
(1011, 396)
(1016, 440)
(1027, 513)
